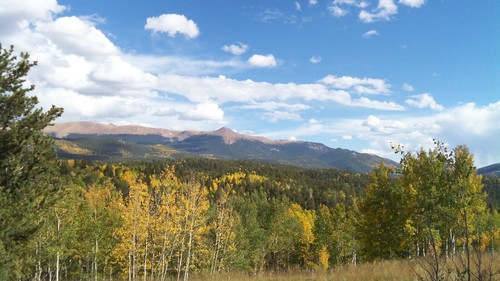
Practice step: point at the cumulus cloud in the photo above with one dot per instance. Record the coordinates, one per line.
(339, 8)
(262, 60)
(83, 107)
(337, 11)
(384, 11)
(358, 85)
(470, 124)
(424, 101)
(204, 111)
(236, 49)
(412, 3)
(370, 33)
(79, 68)
(313, 2)
(315, 59)
(378, 125)
(200, 89)
(173, 24)
(407, 87)
(16, 15)
(76, 36)
(381, 105)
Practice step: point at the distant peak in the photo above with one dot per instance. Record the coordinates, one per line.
(227, 134)
(224, 130)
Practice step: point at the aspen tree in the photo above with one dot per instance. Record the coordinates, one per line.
(382, 219)
(306, 219)
(103, 218)
(223, 225)
(134, 231)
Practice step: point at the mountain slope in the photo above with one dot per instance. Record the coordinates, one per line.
(110, 142)
(491, 170)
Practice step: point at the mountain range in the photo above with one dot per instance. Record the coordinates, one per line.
(108, 142)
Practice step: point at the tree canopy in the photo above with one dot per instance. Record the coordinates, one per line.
(28, 167)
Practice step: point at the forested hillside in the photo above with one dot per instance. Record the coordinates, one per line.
(199, 216)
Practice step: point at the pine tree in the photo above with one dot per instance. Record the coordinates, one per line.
(28, 163)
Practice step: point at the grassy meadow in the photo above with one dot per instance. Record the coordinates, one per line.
(386, 270)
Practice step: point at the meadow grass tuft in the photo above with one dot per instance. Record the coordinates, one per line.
(389, 270)
(383, 270)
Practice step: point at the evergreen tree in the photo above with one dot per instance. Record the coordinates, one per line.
(28, 163)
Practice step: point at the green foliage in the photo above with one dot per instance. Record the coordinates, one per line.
(382, 228)
(492, 188)
(28, 167)
(434, 208)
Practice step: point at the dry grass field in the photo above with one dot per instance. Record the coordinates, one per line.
(395, 270)
(385, 270)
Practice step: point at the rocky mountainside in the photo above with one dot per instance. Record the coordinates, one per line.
(106, 142)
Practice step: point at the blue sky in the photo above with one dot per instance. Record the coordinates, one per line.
(346, 73)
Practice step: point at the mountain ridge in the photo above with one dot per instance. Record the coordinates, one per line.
(492, 170)
(113, 142)
(63, 130)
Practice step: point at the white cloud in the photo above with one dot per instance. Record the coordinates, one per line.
(262, 60)
(315, 59)
(384, 11)
(82, 107)
(381, 105)
(184, 65)
(370, 33)
(281, 115)
(470, 119)
(407, 87)
(339, 8)
(469, 124)
(358, 85)
(383, 126)
(412, 3)
(202, 89)
(337, 11)
(236, 49)
(297, 6)
(347, 137)
(173, 24)
(424, 101)
(16, 15)
(313, 2)
(204, 111)
(270, 15)
(75, 36)
(274, 106)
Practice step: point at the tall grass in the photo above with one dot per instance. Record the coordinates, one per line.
(393, 270)
(381, 271)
